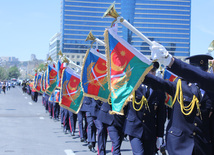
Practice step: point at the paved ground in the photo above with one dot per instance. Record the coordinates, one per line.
(26, 129)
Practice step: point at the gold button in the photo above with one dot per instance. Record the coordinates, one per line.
(194, 133)
(144, 114)
(184, 99)
(195, 124)
(171, 131)
(197, 114)
(143, 121)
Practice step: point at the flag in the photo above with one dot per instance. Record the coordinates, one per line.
(126, 68)
(37, 86)
(60, 67)
(56, 95)
(34, 79)
(43, 82)
(51, 79)
(94, 76)
(71, 94)
(170, 77)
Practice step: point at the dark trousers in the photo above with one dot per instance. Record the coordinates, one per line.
(50, 108)
(66, 120)
(101, 136)
(91, 129)
(116, 135)
(141, 146)
(56, 109)
(72, 121)
(82, 123)
(62, 114)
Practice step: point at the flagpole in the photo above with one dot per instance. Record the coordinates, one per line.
(111, 12)
(133, 29)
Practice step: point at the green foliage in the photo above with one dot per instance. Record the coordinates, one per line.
(13, 72)
(41, 67)
(3, 74)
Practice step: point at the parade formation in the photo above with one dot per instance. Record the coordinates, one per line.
(160, 104)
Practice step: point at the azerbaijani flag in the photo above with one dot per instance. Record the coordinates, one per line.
(51, 79)
(126, 67)
(94, 76)
(170, 77)
(71, 94)
(37, 86)
(43, 82)
(56, 95)
(34, 80)
(60, 67)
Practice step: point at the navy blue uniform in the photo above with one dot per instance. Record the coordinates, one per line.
(186, 134)
(145, 125)
(193, 74)
(115, 126)
(72, 122)
(101, 128)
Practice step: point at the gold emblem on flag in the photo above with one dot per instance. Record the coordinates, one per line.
(94, 80)
(119, 82)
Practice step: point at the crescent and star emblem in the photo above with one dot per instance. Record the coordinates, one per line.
(98, 70)
(116, 67)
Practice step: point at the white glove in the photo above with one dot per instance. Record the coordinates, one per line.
(160, 54)
(159, 142)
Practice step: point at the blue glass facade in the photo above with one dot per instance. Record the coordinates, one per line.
(164, 21)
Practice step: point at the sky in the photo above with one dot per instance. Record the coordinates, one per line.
(26, 27)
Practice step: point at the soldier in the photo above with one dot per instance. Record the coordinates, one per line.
(101, 128)
(115, 124)
(146, 115)
(56, 107)
(91, 129)
(72, 122)
(188, 131)
(182, 69)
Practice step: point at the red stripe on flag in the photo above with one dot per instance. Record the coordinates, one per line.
(120, 57)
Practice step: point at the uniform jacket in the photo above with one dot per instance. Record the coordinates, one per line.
(193, 74)
(185, 132)
(86, 105)
(147, 123)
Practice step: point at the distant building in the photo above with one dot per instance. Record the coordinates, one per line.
(10, 59)
(33, 57)
(164, 21)
(54, 46)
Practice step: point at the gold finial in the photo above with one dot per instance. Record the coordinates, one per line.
(111, 12)
(65, 60)
(60, 53)
(50, 59)
(211, 47)
(90, 37)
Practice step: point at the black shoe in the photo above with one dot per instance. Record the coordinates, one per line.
(66, 131)
(93, 150)
(72, 133)
(82, 139)
(90, 146)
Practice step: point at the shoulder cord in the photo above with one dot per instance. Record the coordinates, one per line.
(141, 103)
(186, 110)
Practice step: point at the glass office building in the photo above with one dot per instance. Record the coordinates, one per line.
(164, 21)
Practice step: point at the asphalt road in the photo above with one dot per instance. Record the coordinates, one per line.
(26, 129)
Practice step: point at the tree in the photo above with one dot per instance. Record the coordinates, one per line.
(3, 74)
(13, 72)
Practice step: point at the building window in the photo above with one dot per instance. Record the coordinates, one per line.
(78, 63)
(78, 56)
(73, 56)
